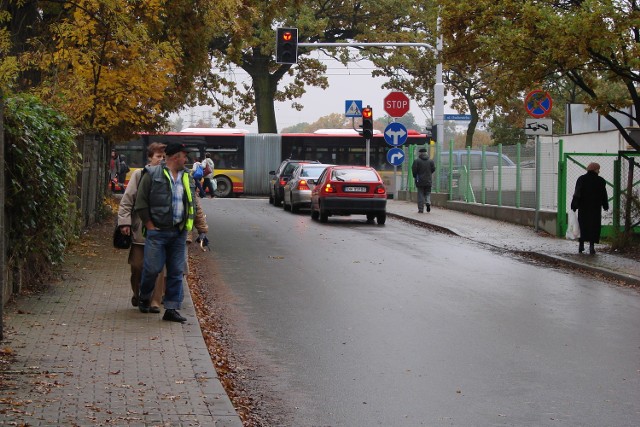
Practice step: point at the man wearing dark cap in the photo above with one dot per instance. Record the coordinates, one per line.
(422, 168)
(166, 205)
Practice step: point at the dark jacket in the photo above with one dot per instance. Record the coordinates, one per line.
(154, 198)
(589, 197)
(422, 169)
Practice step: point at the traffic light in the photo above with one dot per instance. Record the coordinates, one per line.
(432, 133)
(367, 122)
(287, 45)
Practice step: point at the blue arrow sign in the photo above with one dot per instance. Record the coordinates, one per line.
(353, 108)
(395, 134)
(395, 156)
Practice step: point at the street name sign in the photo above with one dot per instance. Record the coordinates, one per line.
(461, 117)
(396, 104)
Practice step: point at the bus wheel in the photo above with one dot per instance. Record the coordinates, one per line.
(225, 187)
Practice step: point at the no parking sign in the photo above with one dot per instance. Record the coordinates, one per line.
(538, 103)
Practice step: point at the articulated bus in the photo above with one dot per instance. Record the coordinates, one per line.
(230, 149)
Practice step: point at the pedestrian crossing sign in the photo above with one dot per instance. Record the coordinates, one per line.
(353, 108)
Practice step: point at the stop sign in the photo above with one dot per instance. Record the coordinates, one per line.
(396, 104)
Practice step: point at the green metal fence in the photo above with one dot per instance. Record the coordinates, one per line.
(538, 176)
(620, 172)
(493, 175)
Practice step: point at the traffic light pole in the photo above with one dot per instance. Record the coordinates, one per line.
(438, 88)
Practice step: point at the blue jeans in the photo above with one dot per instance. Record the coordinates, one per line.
(199, 187)
(164, 247)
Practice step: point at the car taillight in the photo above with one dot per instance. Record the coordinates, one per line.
(329, 189)
(380, 189)
(302, 185)
(283, 182)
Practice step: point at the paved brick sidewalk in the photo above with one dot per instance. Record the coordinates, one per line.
(85, 356)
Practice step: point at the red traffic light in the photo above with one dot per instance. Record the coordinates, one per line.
(367, 122)
(287, 45)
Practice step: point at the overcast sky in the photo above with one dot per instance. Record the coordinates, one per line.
(353, 82)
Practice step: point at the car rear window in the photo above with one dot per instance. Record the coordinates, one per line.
(311, 172)
(362, 175)
(288, 170)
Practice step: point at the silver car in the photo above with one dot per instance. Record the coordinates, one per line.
(297, 191)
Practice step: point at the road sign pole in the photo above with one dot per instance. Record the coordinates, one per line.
(368, 149)
(395, 184)
(438, 92)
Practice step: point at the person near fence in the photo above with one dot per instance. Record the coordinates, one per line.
(123, 170)
(130, 224)
(423, 168)
(114, 165)
(589, 198)
(209, 171)
(166, 205)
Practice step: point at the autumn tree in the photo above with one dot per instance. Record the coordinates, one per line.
(595, 45)
(115, 66)
(250, 45)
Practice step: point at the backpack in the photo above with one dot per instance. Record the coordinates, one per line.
(124, 167)
(198, 172)
(207, 169)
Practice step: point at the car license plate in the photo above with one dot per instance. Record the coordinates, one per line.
(355, 189)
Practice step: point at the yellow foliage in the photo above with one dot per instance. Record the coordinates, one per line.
(116, 64)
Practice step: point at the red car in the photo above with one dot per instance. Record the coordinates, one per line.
(347, 190)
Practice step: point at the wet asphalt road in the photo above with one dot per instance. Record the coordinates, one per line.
(400, 326)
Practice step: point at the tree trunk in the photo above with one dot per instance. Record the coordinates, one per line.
(3, 257)
(264, 87)
(471, 128)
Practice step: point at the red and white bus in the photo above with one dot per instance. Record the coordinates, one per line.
(229, 149)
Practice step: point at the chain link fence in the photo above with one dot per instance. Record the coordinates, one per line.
(532, 176)
(492, 175)
(620, 172)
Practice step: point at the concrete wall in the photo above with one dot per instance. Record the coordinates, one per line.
(547, 220)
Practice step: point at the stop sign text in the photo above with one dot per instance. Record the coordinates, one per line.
(396, 104)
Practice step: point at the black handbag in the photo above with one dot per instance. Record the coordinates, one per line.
(121, 241)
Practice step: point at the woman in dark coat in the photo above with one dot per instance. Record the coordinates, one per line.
(589, 198)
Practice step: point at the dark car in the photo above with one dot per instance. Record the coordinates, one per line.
(280, 177)
(348, 190)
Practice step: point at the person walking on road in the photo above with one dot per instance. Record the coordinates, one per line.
(166, 205)
(423, 168)
(130, 223)
(589, 198)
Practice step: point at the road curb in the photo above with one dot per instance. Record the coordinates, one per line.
(613, 275)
